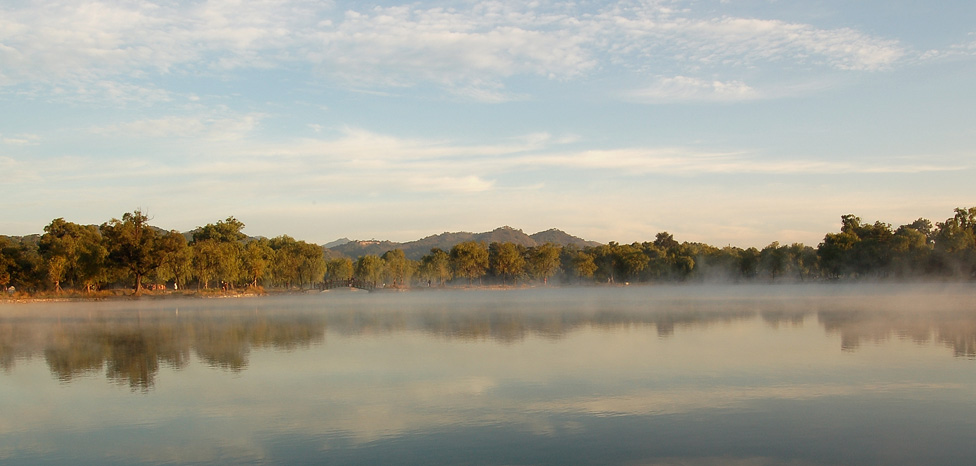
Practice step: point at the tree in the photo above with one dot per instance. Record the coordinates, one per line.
(311, 267)
(506, 261)
(859, 249)
(132, 245)
(219, 251)
(21, 265)
(397, 266)
(606, 260)
(224, 231)
(632, 260)
(206, 261)
(369, 268)
(582, 265)
(436, 266)
(177, 262)
(73, 253)
(665, 240)
(544, 261)
(339, 269)
(258, 257)
(955, 242)
(469, 260)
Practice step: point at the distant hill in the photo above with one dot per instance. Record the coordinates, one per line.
(417, 249)
(361, 248)
(338, 242)
(561, 238)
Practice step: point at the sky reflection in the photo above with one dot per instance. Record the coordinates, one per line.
(344, 377)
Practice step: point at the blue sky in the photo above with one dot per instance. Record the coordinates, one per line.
(727, 122)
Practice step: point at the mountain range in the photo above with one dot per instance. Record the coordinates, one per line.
(417, 249)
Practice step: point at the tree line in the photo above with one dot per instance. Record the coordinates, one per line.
(128, 252)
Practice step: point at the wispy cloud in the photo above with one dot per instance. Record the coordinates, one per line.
(211, 127)
(685, 89)
(470, 50)
(20, 139)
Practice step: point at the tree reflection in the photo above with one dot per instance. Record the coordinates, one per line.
(131, 346)
(954, 329)
(131, 349)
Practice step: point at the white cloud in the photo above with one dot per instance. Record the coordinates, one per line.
(20, 139)
(213, 127)
(470, 50)
(683, 88)
(463, 184)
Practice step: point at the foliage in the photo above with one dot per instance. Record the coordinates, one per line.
(436, 267)
(506, 260)
(544, 261)
(369, 268)
(72, 257)
(133, 245)
(469, 260)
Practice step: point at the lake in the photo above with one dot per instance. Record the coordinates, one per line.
(689, 375)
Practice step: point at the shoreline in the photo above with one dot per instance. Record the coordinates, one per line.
(126, 295)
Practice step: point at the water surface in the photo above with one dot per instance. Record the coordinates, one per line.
(812, 374)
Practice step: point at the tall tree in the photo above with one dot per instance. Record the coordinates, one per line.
(955, 242)
(469, 260)
(397, 266)
(258, 257)
(544, 261)
(224, 231)
(73, 253)
(436, 266)
(311, 267)
(506, 261)
(339, 269)
(133, 245)
(287, 260)
(369, 268)
(177, 265)
(582, 265)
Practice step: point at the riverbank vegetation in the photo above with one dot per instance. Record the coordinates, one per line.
(129, 254)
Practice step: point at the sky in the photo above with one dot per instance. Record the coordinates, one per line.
(729, 122)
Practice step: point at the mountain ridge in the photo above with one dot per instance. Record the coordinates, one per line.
(418, 248)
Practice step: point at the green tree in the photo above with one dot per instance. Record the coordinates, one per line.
(955, 242)
(369, 268)
(397, 266)
(506, 261)
(582, 265)
(632, 260)
(858, 250)
(606, 259)
(133, 245)
(311, 267)
(220, 252)
(73, 253)
(436, 266)
(257, 259)
(544, 261)
(469, 260)
(177, 265)
(339, 269)
(207, 259)
(287, 260)
(224, 231)
(21, 265)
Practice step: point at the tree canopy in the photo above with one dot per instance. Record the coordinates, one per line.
(130, 253)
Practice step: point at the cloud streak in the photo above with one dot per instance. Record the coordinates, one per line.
(471, 50)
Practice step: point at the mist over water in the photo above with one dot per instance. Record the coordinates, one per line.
(797, 374)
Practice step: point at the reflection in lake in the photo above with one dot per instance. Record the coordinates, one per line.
(691, 375)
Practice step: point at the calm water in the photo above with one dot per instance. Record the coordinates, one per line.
(738, 375)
